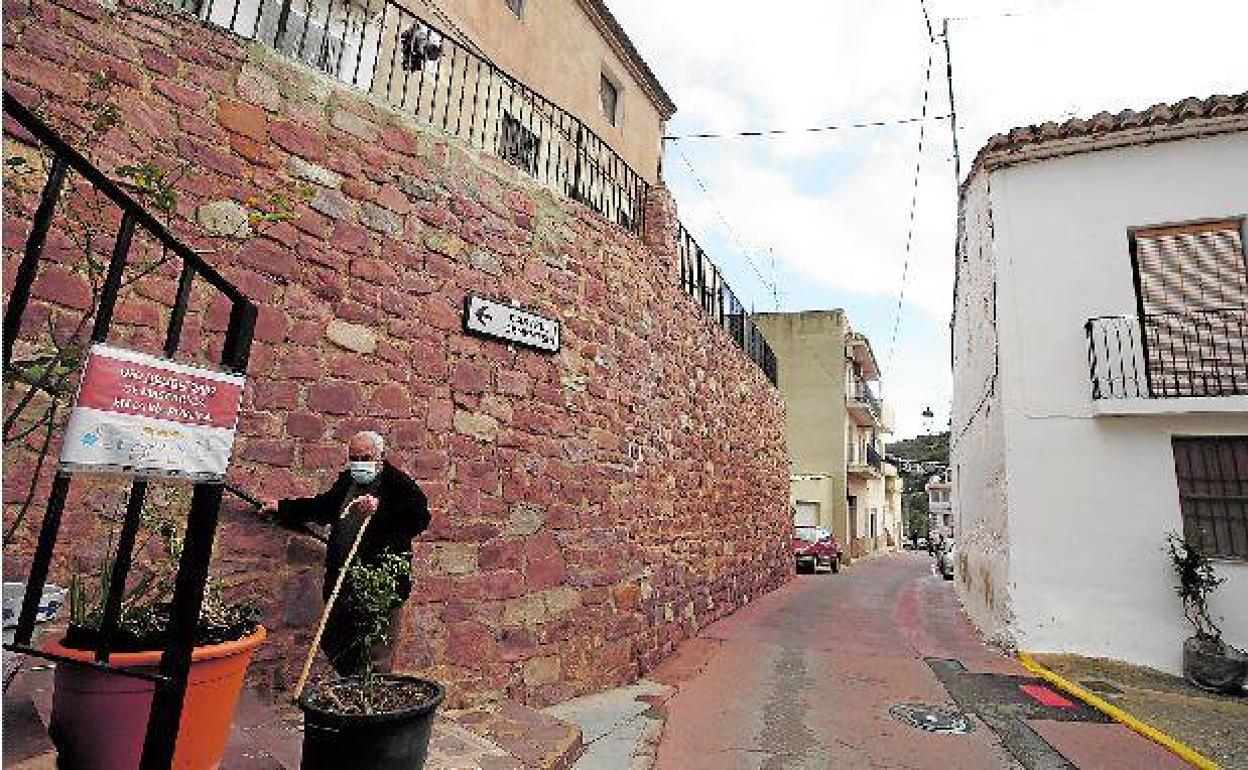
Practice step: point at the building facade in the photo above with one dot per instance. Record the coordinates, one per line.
(556, 89)
(566, 553)
(939, 508)
(1100, 389)
(835, 426)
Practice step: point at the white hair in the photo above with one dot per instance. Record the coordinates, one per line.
(374, 438)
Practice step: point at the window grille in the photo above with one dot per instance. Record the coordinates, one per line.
(520, 146)
(1212, 476)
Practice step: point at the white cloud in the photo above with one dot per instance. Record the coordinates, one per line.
(834, 206)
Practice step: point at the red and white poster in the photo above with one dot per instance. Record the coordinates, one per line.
(148, 416)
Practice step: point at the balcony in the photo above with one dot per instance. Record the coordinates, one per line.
(868, 464)
(863, 406)
(1179, 362)
(385, 49)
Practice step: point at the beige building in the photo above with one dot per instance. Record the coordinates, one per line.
(835, 427)
(577, 55)
(555, 88)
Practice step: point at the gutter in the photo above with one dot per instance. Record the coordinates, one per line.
(1174, 745)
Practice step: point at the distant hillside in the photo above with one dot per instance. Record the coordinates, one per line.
(922, 448)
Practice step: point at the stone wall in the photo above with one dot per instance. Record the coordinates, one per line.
(590, 508)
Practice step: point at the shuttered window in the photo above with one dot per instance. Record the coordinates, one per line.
(1191, 267)
(1213, 493)
(1193, 295)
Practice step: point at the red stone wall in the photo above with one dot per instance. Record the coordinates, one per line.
(591, 508)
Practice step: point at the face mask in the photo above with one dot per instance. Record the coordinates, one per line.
(364, 471)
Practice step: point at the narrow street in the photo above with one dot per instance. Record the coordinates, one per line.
(805, 678)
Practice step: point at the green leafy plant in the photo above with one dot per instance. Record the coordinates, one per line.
(1196, 581)
(143, 622)
(373, 593)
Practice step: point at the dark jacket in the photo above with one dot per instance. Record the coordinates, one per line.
(402, 514)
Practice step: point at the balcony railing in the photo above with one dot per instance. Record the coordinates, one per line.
(385, 49)
(861, 391)
(1194, 353)
(701, 279)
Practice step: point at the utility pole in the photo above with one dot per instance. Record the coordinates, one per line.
(953, 112)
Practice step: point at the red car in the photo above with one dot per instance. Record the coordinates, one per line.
(815, 548)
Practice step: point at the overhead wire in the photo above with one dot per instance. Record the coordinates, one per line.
(770, 285)
(914, 202)
(813, 129)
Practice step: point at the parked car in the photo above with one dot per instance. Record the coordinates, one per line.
(945, 559)
(815, 548)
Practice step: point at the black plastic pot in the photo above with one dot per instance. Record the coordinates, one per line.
(395, 740)
(1214, 666)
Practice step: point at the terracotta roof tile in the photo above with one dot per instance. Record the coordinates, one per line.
(1217, 106)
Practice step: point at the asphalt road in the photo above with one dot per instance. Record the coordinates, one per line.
(805, 678)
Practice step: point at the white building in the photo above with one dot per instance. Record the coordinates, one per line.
(939, 508)
(1100, 378)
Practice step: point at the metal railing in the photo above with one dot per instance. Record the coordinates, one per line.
(69, 170)
(874, 458)
(861, 391)
(385, 49)
(701, 279)
(1193, 353)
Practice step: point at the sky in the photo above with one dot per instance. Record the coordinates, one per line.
(821, 220)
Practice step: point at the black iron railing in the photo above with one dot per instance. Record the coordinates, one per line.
(874, 458)
(69, 168)
(861, 391)
(385, 49)
(1193, 353)
(701, 279)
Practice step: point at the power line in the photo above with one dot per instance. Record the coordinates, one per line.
(914, 202)
(719, 214)
(811, 130)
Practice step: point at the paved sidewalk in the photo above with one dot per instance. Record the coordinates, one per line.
(269, 736)
(1214, 725)
(620, 727)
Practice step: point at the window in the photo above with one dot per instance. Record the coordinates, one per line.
(516, 6)
(1213, 493)
(520, 146)
(609, 99)
(1192, 291)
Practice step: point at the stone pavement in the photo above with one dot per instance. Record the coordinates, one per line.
(268, 735)
(621, 727)
(1214, 725)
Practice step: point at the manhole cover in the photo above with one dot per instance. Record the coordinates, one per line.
(933, 719)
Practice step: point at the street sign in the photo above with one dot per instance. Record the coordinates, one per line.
(510, 324)
(149, 416)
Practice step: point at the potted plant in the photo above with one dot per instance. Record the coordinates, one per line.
(377, 721)
(99, 719)
(1208, 661)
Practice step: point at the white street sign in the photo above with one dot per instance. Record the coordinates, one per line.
(494, 319)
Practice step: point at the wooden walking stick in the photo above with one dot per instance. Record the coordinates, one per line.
(329, 606)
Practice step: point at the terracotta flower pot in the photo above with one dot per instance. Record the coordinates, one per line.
(99, 720)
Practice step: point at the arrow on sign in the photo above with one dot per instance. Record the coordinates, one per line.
(483, 315)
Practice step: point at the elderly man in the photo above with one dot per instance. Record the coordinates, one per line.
(369, 485)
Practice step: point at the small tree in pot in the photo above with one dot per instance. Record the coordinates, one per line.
(1208, 661)
(378, 721)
